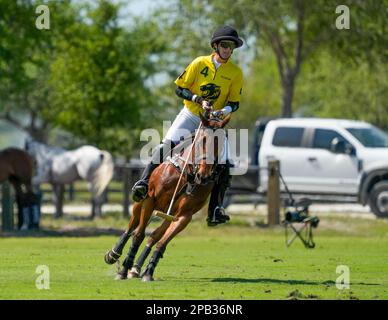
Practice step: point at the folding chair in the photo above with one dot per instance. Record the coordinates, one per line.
(298, 220)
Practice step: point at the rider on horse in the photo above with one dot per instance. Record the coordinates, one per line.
(211, 83)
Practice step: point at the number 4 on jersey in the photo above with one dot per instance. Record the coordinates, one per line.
(205, 71)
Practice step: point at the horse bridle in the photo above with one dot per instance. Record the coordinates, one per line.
(212, 176)
(204, 181)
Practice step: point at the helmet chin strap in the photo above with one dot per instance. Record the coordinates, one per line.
(219, 54)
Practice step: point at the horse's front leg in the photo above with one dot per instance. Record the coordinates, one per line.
(138, 237)
(115, 253)
(171, 232)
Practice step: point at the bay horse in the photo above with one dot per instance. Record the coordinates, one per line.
(17, 166)
(58, 167)
(194, 189)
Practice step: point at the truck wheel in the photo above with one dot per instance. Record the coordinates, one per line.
(378, 199)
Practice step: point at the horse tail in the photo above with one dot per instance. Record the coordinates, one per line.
(103, 175)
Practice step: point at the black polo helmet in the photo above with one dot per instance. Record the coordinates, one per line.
(226, 33)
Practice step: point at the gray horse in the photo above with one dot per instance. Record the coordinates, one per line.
(59, 167)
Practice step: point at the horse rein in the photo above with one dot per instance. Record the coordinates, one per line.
(183, 169)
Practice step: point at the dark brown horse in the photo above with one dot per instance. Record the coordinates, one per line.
(194, 188)
(16, 166)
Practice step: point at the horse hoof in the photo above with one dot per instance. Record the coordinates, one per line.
(120, 276)
(147, 278)
(134, 273)
(111, 257)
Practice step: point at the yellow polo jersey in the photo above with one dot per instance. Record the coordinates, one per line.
(216, 85)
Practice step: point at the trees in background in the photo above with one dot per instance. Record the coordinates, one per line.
(338, 89)
(23, 59)
(86, 74)
(98, 79)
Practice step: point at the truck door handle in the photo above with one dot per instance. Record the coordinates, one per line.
(311, 159)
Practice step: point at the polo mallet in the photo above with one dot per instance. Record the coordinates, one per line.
(168, 215)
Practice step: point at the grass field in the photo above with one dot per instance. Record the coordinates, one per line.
(235, 261)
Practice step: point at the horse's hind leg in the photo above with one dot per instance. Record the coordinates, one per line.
(97, 202)
(155, 236)
(58, 193)
(138, 237)
(115, 253)
(171, 232)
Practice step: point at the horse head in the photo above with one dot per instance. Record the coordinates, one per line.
(209, 147)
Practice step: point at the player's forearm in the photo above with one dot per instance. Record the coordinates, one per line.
(188, 95)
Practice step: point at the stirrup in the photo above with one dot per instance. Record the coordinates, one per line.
(139, 191)
(217, 217)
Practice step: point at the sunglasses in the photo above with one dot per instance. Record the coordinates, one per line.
(228, 44)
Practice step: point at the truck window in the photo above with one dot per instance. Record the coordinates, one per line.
(323, 138)
(288, 137)
(371, 137)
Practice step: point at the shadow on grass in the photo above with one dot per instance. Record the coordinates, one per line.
(292, 282)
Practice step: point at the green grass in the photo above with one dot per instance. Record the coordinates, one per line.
(234, 261)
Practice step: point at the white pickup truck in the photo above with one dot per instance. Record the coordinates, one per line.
(325, 157)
